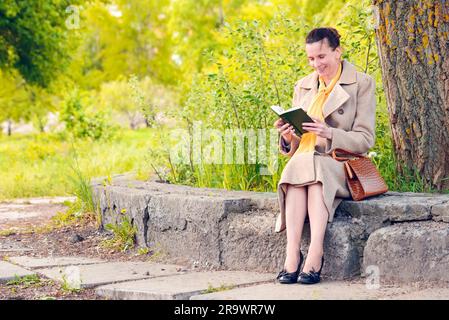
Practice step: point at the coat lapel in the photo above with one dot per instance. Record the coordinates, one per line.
(338, 95)
(308, 98)
(309, 83)
(336, 98)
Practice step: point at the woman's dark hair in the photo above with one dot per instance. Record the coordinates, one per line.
(318, 34)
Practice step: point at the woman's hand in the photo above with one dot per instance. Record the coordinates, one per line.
(318, 127)
(286, 130)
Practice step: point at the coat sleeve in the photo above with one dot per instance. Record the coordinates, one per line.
(362, 136)
(290, 149)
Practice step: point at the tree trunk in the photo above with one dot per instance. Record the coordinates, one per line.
(9, 127)
(413, 42)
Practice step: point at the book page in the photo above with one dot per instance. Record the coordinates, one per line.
(292, 108)
(277, 109)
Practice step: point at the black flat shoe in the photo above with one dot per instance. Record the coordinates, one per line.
(311, 277)
(290, 277)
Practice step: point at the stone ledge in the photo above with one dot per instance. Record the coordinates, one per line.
(235, 229)
(406, 252)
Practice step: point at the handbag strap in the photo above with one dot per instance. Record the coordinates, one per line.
(343, 151)
(349, 170)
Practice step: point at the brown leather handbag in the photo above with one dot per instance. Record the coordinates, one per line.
(362, 176)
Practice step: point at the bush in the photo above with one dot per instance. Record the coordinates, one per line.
(81, 122)
(257, 67)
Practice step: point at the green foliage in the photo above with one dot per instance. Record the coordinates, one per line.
(40, 165)
(312, 8)
(12, 98)
(124, 235)
(27, 281)
(68, 287)
(34, 38)
(143, 251)
(83, 123)
(74, 213)
(175, 61)
(258, 66)
(81, 186)
(7, 232)
(223, 287)
(22, 101)
(259, 69)
(138, 97)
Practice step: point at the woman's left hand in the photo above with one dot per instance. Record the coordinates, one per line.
(318, 127)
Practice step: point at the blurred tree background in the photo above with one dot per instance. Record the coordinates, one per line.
(105, 83)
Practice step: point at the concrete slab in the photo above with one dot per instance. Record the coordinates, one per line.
(9, 271)
(23, 216)
(31, 262)
(14, 212)
(105, 273)
(181, 287)
(426, 294)
(8, 246)
(41, 200)
(333, 290)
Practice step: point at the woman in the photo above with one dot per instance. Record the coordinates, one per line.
(342, 103)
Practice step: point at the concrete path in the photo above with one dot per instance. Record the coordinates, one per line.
(182, 287)
(28, 212)
(9, 271)
(335, 290)
(155, 281)
(31, 262)
(105, 273)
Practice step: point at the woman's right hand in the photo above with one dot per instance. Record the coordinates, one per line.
(286, 130)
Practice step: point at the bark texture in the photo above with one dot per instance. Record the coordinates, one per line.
(413, 42)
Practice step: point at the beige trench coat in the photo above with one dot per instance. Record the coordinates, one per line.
(350, 111)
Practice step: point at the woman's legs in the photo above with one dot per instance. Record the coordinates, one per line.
(295, 214)
(318, 216)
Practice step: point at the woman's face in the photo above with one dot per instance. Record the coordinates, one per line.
(323, 59)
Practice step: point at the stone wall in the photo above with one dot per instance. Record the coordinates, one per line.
(235, 229)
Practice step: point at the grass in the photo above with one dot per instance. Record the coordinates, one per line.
(69, 287)
(7, 232)
(35, 283)
(26, 281)
(223, 287)
(143, 251)
(124, 235)
(44, 165)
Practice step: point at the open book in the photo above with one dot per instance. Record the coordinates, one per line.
(294, 116)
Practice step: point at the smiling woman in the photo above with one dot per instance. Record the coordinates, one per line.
(324, 52)
(342, 103)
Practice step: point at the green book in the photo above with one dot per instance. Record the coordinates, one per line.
(294, 116)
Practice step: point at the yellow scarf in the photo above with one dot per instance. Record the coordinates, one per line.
(308, 139)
